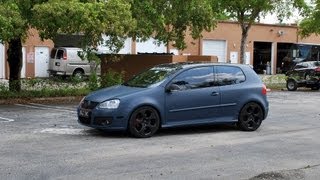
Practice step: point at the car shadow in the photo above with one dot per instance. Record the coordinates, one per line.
(104, 133)
(203, 129)
(187, 130)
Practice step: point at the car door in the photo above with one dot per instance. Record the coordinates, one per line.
(299, 72)
(192, 97)
(230, 80)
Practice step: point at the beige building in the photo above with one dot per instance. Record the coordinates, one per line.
(267, 45)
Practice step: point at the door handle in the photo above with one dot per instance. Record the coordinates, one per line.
(214, 94)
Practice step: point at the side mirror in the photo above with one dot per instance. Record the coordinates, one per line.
(172, 87)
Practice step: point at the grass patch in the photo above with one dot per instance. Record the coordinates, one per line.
(59, 87)
(276, 82)
(43, 88)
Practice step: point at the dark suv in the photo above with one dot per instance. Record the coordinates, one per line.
(304, 74)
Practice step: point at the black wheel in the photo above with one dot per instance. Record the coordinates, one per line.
(78, 73)
(250, 117)
(144, 122)
(292, 85)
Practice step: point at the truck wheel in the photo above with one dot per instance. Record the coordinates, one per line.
(292, 85)
(78, 74)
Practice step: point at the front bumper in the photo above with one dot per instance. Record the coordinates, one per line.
(102, 119)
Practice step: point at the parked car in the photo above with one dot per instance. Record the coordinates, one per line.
(65, 61)
(179, 94)
(304, 74)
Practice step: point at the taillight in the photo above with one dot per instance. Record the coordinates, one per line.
(264, 90)
(64, 55)
(317, 69)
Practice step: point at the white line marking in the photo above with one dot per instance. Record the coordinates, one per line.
(45, 108)
(54, 107)
(6, 119)
(68, 131)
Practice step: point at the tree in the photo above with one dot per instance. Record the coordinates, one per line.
(91, 18)
(170, 20)
(311, 24)
(166, 20)
(248, 12)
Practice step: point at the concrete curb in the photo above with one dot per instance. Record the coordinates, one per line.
(47, 100)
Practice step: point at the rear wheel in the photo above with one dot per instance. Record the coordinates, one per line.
(78, 73)
(250, 117)
(144, 122)
(292, 85)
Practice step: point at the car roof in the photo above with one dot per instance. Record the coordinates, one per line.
(186, 65)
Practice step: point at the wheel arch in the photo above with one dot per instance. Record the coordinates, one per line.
(145, 105)
(78, 69)
(254, 101)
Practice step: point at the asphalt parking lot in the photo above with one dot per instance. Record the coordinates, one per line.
(44, 141)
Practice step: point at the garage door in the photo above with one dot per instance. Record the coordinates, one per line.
(215, 48)
(150, 46)
(2, 62)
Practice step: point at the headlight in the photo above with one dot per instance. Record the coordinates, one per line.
(111, 104)
(81, 102)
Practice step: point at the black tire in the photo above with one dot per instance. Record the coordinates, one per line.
(144, 122)
(78, 73)
(250, 117)
(292, 85)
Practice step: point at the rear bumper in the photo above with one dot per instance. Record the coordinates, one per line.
(53, 72)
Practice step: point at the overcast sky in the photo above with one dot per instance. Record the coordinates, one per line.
(272, 18)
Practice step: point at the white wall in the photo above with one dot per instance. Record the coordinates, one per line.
(23, 69)
(103, 49)
(2, 62)
(150, 46)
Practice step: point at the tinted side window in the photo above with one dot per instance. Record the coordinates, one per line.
(201, 77)
(60, 54)
(228, 75)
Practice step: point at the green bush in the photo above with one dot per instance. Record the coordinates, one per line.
(111, 78)
(93, 83)
(45, 92)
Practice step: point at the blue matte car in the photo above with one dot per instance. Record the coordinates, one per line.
(179, 94)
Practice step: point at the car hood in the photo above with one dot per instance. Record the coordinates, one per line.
(112, 92)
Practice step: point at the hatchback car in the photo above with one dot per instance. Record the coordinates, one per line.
(304, 74)
(179, 94)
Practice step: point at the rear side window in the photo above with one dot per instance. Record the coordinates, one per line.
(53, 53)
(195, 78)
(228, 75)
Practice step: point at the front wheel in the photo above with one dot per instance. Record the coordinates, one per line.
(315, 88)
(144, 122)
(292, 85)
(250, 117)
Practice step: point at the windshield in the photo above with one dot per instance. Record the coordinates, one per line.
(150, 77)
(301, 51)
